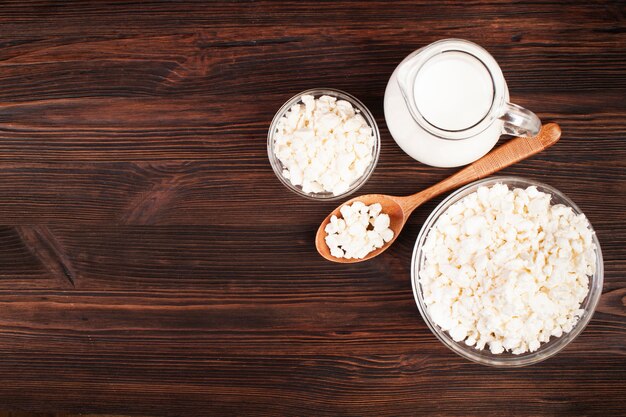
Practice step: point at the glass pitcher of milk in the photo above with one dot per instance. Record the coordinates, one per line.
(447, 104)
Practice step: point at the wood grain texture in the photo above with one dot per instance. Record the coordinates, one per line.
(152, 264)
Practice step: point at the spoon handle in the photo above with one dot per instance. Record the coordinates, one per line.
(514, 151)
(511, 152)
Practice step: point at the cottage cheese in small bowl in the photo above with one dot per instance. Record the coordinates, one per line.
(323, 144)
(506, 271)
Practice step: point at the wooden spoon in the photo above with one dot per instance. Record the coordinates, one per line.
(400, 208)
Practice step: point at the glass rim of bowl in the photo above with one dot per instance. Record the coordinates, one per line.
(364, 111)
(485, 357)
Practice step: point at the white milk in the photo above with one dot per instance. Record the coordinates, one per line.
(453, 91)
(447, 104)
(427, 148)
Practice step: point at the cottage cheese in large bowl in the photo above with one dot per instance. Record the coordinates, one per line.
(507, 271)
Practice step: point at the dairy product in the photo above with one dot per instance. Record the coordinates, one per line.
(453, 90)
(426, 147)
(446, 104)
(505, 269)
(361, 230)
(324, 144)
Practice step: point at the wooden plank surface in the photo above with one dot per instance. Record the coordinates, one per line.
(152, 264)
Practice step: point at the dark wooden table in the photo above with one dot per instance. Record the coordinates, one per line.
(151, 263)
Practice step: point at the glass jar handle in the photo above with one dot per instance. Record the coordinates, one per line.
(519, 121)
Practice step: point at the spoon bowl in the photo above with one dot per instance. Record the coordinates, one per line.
(400, 208)
(390, 205)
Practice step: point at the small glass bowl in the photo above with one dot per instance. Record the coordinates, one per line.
(506, 359)
(340, 95)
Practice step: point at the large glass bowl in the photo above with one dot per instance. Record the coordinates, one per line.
(485, 357)
(317, 93)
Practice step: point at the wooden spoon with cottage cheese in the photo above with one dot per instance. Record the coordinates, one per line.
(400, 208)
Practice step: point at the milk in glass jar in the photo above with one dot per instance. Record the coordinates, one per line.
(447, 104)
